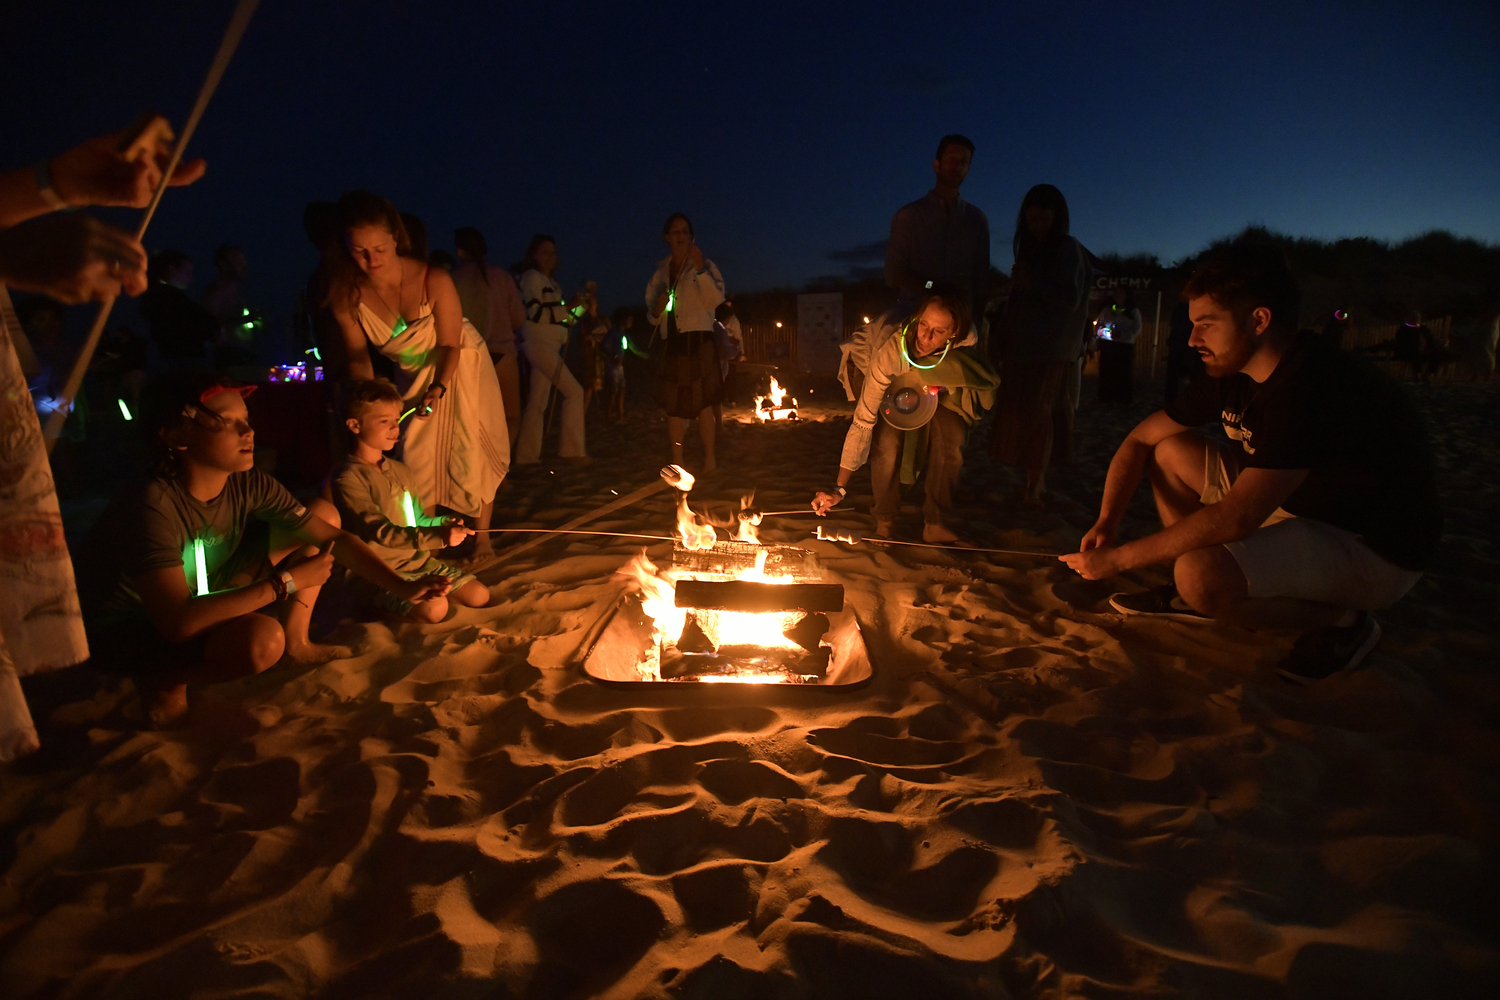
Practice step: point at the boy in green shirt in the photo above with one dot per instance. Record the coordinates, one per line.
(377, 500)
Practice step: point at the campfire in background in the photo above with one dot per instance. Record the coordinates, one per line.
(773, 406)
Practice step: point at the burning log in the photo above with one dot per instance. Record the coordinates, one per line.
(729, 560)
(759, 598)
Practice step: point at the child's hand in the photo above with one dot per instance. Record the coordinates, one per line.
(313, 571)
(457, 532)
(426, 588)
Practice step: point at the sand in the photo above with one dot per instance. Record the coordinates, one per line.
(1032, 798)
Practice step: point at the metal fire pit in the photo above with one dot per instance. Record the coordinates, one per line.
(622, 639)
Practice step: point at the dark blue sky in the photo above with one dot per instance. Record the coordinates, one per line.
(786, 130)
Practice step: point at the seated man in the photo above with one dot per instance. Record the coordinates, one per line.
(1322, 507)
(966, 389)
(376, 497)
(173, 573)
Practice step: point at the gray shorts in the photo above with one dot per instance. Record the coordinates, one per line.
(1290, 556)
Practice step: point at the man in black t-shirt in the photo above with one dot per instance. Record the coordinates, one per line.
(1322, 507)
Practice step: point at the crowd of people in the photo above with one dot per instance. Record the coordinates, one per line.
(1317, 506)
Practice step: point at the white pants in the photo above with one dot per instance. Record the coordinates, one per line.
(544, 347)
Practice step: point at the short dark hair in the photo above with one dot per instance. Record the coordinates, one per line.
(666, 227)
(163, 261)
(951, 298)
(954, 139)
(1246, 275)
(222, 252)
(364, 393)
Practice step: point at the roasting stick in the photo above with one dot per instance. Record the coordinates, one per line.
(231, 41)
(575, 531)
(580, 520)
(854, 537)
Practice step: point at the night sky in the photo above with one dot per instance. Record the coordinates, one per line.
(788, 132)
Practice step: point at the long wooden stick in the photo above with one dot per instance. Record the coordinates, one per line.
(230, 42)
(580, 521)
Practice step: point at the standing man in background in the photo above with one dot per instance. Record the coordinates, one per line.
(940, 238)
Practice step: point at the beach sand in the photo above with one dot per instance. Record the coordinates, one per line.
(1033, 797)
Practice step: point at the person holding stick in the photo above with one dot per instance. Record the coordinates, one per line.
(959, 386)
(1321, 508)
(72, 258)
(456, 444)
(376, 497)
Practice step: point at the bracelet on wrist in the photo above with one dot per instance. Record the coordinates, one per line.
(440, 387)
(289, 581)
(278, 587)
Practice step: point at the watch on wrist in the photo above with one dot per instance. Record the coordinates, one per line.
(841, 491)
(442, 389)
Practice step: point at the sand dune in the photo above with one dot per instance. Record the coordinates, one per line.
(1032, 798)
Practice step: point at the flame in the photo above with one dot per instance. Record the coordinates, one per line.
(777, 410)
(746, 530)
(658, 602)
(694, 535)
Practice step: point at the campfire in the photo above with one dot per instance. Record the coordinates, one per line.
(729, 610)
(773, 406)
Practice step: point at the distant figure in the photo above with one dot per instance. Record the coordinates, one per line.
(315, 331)
(940, 238)
(1039, 342)
(455, 440)
(492, 302)
(123, 365)
(545, 340)
(224, 296)
(680, 301)
(593, 330)
(1117, 327)
(416, 233)
(179, 326)
(617, 344)
(1338, 330)
(1419, 348)
(442, 259)
(1183, 361)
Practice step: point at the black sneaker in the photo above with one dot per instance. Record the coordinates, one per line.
(1159, 602)
(1323, 652)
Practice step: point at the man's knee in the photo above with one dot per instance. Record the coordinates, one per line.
(1210, 580)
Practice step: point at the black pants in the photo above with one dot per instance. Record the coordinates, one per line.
(1116, 372)
(945, 459)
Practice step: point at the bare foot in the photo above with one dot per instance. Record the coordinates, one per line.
(883, 528)
(937, 534)
(167, 708)
(311, 654)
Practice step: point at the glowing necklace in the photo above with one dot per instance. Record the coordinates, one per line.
(905, 356)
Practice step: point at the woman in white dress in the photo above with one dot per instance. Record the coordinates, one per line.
(455, 441)
(545, 333)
